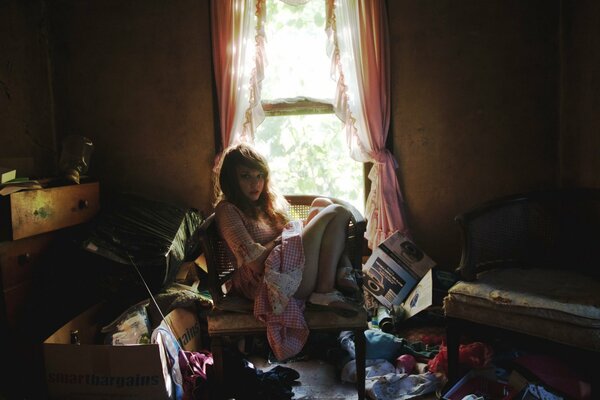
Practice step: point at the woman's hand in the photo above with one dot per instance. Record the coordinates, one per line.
(258, 265)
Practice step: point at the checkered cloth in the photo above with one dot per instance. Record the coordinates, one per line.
(275, 303)
(245, 238)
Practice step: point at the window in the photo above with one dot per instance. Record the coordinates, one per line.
(301, 136)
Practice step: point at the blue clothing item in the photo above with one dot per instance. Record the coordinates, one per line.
(381, 345)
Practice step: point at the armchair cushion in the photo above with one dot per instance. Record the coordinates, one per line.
(560, 305)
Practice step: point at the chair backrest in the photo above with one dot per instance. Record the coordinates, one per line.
(220, 263)
(542, 229)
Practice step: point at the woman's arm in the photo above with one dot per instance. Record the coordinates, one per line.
(258, 265)
(247, 251)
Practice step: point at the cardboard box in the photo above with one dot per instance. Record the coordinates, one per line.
(97, 371)
(394, 269)
(430, 291)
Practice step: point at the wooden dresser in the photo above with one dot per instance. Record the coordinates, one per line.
(32, 224)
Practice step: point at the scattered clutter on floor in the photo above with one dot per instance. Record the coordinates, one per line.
(405, 344)
(251, 383)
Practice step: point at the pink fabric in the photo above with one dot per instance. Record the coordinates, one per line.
(193, 366)
(238, 66)
(272, 291)
(274, 304)
(243, 234)
(360, 62)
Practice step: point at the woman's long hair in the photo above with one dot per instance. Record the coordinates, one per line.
(228, 188)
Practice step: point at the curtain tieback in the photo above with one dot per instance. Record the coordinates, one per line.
(384, 156)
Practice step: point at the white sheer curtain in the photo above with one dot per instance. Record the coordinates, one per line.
(239, 60)
(358, 42)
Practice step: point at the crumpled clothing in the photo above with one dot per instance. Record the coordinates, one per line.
(374, 367)
(382, 382)
(193, 370)
(387, 346)
(473, 355)
(274, 303)
(401, 386)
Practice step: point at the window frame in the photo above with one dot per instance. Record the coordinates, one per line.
(299, 105)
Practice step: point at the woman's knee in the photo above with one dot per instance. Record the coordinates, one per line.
(340, 211)
(317, 205)
(321, 202)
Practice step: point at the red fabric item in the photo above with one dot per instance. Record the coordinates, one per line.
(473, 355)
(432, 339)
(193, 373)
(556, 374)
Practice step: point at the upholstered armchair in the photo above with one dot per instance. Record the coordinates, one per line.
(530, 270)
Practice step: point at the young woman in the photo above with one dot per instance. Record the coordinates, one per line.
(251, 217)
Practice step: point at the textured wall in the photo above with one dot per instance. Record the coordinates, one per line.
(580, 123)
(26, 128)
(474, 107)
(135, 77)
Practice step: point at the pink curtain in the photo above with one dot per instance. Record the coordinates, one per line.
(239, 60)
(359, 49)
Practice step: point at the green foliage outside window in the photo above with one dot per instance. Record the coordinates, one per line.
(307, 153)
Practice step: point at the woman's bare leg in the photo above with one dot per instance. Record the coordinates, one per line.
(317, 205)
(332, 249)
(323, 240)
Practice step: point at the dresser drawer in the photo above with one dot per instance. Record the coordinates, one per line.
(18, 258)
(32, 212)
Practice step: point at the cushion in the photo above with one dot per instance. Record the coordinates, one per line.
(559, 305)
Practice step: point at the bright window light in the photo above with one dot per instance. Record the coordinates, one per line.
(307, 152)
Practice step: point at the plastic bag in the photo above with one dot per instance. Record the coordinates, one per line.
(131, 327)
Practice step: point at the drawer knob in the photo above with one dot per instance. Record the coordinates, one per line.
(83, 204)
(23, 259)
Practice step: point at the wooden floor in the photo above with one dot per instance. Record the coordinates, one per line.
(319, 381)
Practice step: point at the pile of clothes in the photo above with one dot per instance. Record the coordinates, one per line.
(251, 383)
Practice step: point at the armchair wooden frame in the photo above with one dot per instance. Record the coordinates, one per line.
(232, 315)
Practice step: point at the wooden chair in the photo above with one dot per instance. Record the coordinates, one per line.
(232, 315)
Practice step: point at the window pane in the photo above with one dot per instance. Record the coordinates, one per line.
(298, 64)
(308, 155)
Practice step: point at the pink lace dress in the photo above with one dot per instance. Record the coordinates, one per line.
(272, 291)
(245, 238)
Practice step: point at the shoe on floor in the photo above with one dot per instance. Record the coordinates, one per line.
(332, 301)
